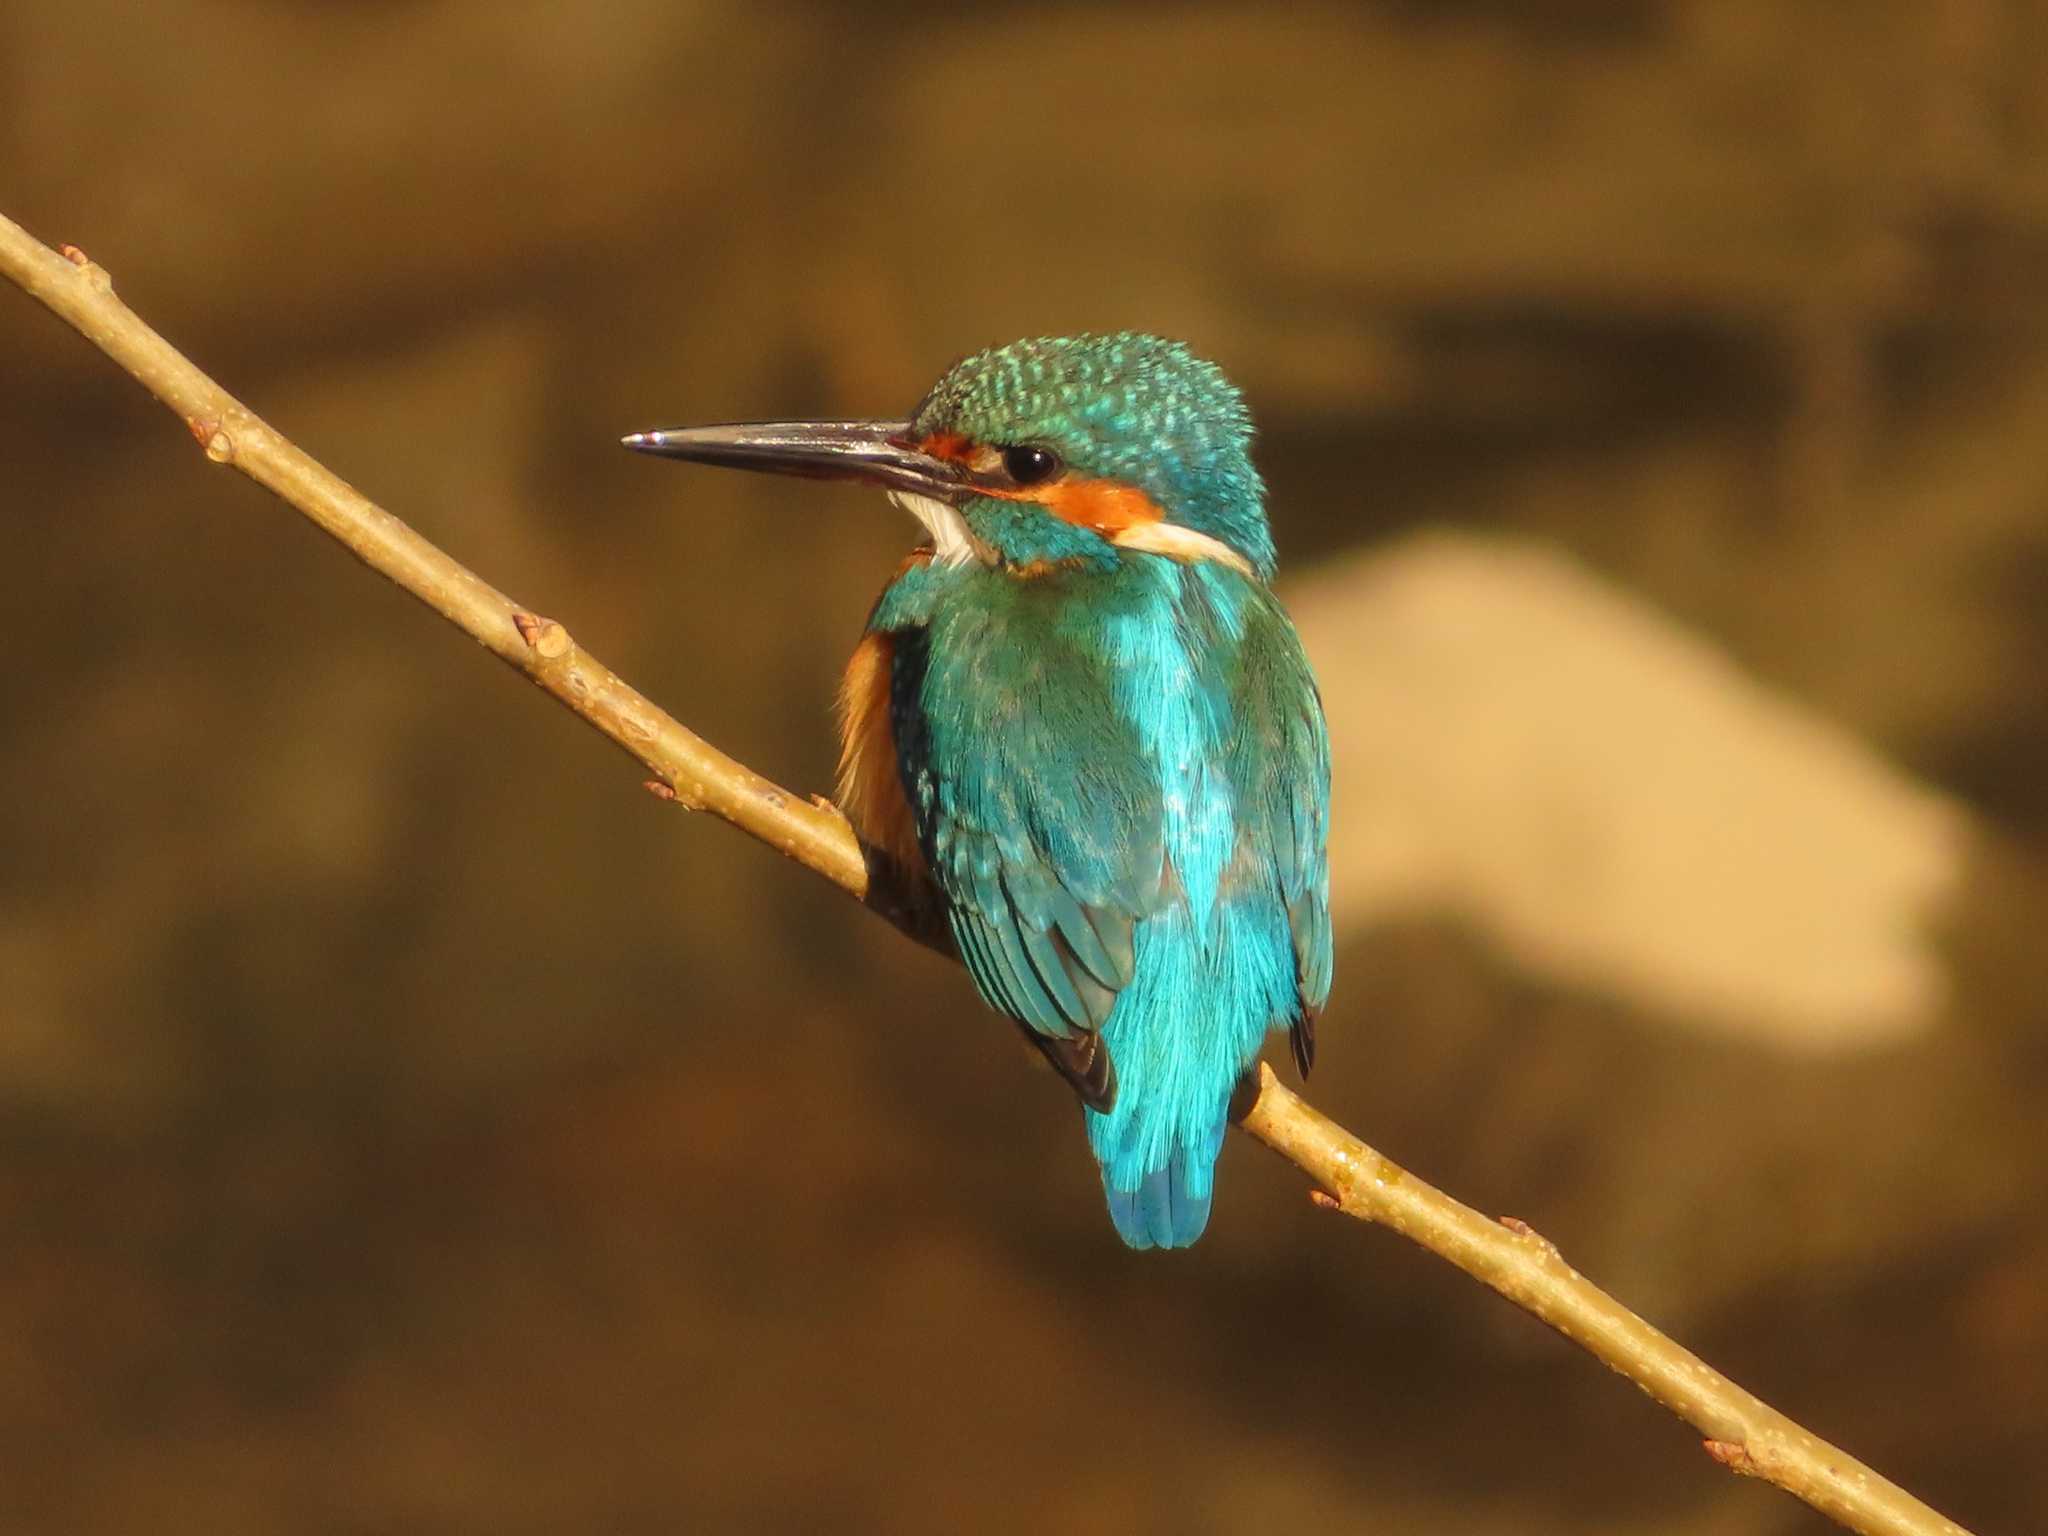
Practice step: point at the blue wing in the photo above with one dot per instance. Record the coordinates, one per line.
(1041, 822)
(1279, 765)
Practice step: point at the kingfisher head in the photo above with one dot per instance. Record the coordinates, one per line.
(1059, 452)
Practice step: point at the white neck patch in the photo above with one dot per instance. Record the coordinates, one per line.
(953, 542)
(1180, 543)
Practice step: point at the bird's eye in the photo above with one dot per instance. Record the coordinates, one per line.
(1028, 464)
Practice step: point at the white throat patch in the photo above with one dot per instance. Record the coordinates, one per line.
(953, 542)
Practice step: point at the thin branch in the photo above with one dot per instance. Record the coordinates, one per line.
(1741, 1432)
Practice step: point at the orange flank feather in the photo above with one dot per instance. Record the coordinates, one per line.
(870, 788)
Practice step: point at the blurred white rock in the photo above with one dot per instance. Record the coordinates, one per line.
(1522, 746)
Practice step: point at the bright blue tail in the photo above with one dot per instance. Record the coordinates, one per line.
(1180, 1035)
(1169, 1208)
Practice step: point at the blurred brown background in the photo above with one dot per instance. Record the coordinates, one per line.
(407, 1124)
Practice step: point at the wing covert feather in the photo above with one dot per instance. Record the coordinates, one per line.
(1040, 823)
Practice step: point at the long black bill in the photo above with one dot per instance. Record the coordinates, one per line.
(877, 452)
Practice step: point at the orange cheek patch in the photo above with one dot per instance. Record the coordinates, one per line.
(1104, 505)
(1107, 506)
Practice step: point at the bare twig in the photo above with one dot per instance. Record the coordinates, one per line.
(1741, 1432)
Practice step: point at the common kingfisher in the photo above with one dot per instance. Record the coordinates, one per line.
(1083, 728)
